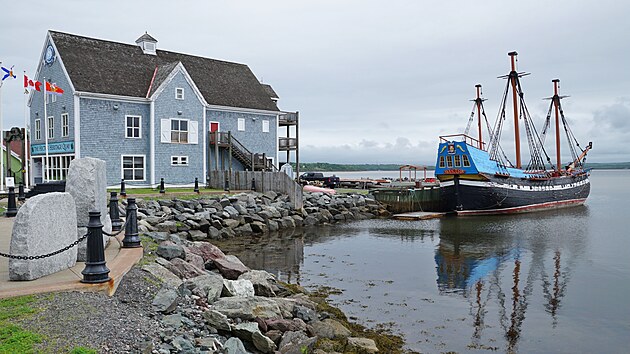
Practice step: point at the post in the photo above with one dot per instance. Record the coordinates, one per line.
(196, 190)
(230, 153)
(216, 150)
(21, 196)
(131, 240)
(11, 205)
(226, 186)
(162, 186)
(95, 270)
(123, 191)
(114, 214)
(254, 184)
(297, 145)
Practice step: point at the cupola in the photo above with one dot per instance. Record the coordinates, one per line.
(147, 43)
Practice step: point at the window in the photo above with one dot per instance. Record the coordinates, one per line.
(38, 129)
(133, 168)
(132, 127)
(51, 127)
(458, 161)
(52, 98)
(65, 130)
(442, 164)
(466, 161)
(149, 46)
(449, 161)
(179, 93)
(58, 168)
(179, 131)
(265, 126)
(179, 160)
(241, 124)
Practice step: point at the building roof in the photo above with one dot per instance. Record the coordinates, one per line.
(106, 67)
(146, 37)
(270, 92)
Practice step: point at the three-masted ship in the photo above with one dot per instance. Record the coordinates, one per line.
(478, 178)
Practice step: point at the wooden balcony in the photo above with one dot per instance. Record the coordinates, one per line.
(288, 119)
(287, 144)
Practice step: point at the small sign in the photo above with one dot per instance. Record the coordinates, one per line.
(10, 182)
(454, 172)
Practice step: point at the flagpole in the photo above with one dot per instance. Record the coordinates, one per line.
(27, 149)
(45, 135)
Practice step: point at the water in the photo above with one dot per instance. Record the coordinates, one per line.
(554, 281)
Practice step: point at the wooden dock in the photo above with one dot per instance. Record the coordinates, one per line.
(418, 215)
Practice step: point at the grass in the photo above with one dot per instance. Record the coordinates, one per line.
(352, 191)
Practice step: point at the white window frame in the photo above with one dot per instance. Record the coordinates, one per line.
(58, 169)
(265, 126)
(38, 129)
(144, 168)
(51, 127)
(65, 125)
(179, 160)
(179, 132)
(241, 124)
(179, 93)
(52, 98)
(139, 127)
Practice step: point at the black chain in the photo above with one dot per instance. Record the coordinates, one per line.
(122, 228)
(30, 258)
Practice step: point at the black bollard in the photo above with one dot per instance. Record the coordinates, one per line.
(162, 185)
(95, 270)
(253, 184)
(196, 185)
(21, 195)
(226, 186)
(114, 214)
(123, 191)
(131, 239)
(11, 204)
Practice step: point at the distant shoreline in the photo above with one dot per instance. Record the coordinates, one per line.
(331, 167)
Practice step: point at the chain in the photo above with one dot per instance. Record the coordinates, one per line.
(122, 228)
(30, 258)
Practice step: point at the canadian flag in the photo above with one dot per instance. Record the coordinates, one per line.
(28, 83)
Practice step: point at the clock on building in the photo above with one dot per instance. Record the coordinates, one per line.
(49, 55)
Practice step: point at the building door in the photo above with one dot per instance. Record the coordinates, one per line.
(214, 127)
(37, 170)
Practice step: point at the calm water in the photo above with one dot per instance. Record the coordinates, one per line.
(548, 282)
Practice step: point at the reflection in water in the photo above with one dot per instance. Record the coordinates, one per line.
(500, 260)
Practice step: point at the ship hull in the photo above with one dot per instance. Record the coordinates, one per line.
(487, 194)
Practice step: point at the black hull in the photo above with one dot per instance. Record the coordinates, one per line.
(501, 195)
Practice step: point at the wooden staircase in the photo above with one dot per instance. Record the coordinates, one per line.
(250, 160)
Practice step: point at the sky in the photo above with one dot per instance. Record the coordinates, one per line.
(374, 81)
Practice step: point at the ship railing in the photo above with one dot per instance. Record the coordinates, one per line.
(469, 140)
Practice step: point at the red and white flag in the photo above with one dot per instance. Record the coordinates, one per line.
(53, 88)
(31, 84)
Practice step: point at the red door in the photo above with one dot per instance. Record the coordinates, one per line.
(214, 127)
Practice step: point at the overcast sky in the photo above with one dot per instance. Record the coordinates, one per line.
(374, 81)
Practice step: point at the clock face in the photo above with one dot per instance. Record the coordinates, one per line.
(49, 56)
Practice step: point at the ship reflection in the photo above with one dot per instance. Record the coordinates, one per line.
(495, 263)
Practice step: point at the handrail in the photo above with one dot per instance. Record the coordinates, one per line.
(467, 139)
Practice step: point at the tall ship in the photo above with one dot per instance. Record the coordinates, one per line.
(477, 177)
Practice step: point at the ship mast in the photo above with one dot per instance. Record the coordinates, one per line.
(556, 104)
(478, 102)
(513, 80)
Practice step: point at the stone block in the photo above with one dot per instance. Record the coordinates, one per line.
(87, 183)
(44, 224)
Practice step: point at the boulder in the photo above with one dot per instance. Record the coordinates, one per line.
(163, 274)
(247, 308)
(263, 343)
(217, 320)
(184, 270)
(206, 250)
(165, 300)
(168, 250)
(234, 346)
(207, 286)
(239, 288)
(330, 329)
(361, 345)
(264, 282)
(230, 267)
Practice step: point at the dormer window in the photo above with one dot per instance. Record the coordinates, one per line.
(147, 43)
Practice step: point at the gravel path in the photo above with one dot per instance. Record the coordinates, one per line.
(123, 323)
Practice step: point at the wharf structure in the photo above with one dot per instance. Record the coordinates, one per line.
(151, 113)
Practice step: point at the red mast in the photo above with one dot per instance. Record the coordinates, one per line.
(513, 77)
(556, 104)
(478, 102)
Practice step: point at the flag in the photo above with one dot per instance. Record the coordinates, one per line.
(53, 88)
(28, 83)
(8, 73)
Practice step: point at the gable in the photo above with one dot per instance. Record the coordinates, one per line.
(106, 67)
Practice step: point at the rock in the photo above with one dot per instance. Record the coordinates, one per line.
(247, 308)
(207, 286)
(197, 235)
(258, 227)
(44, 224)
(168, 250)
(239, 288)
(285, 325)
(157, 236)
(273, 225)
(230, 267)
(182, 344)
(271, 195)
(184, 270)
(291, 338)
(87, 184)
(163, 274)
(231, 211)
(264, 282)
(330, 329)
(361, 345)
(168, 226)
(231, 223)
(206, 250)
(304, 313)
(305, 346)
(208, 344)
(217, 320)
(274, 335)
(310, 221)
(174, 320)
(234, 346)
(165, 300)
(286, 306)
(244, 229)
(245, 330)
(212, 232)
(195, 260)
(263, 343)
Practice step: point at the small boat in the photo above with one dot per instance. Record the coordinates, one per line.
(478, 178)
(315, 189)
